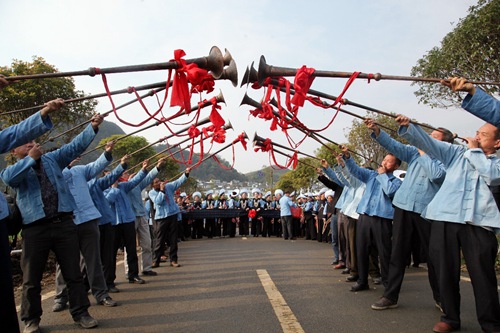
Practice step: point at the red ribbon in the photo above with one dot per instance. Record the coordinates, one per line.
(302, 83)
(264, 146)
(241, 138)
(193, 131)
(252, 213)
(180, 90)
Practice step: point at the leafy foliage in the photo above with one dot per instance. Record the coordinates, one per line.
(471, 50)
(29, 93)
(303, 177)
(361, 142)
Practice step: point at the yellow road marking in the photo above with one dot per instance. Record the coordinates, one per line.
(287, 319)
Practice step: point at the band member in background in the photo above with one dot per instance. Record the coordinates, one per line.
(209, 203)
(221, 203)
(266, 221)
(255, 204)
(197, 224)
(244, 204)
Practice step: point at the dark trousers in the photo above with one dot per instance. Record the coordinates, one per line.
(88, 239)
(210, 228)
(39, 238)
(108, 256)
(287, 226)
(8, 315)
(351, 261)
(278, 228)
(479, 247)
(310, 227)
(342, 236)
(266, 227)
(197, 230)
(256, 227)
(125, 234)
(244, 225)
(373, 231)
(405, 226)
(166, 232)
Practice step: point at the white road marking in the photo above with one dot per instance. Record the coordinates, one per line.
(287, 319)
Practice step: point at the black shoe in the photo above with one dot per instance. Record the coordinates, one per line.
(352, 278)
(384, 304)
(108, 301)
(113, 290)
(346, 271)
(359, 287)
(58, 307)
(150, 273)
(136, 280)
(377, 280)
(32, 326)
(86, 321)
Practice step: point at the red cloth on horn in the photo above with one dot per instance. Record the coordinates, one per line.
(252, 213)
(301, 84)
(180, 90)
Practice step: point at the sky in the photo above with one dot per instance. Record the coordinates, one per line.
(385, 36)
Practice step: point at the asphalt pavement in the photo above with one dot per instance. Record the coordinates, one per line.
(219, 289)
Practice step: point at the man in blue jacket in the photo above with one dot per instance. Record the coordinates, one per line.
(15, 135)
(166, 210)
(465, 219)
(424, 177)
(47, 207)
(124, 223)
(97, 186)
(374, 227)
(87, 224)
(141, 219)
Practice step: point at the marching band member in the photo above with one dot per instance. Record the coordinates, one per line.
(197, 224)
(255, 204)
(209, 203)
(309, 218)
(277, 227)
(244, 221)
(266, 221)
(222, 223)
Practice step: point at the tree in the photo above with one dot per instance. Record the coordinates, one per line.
(128, 145)
(471, 50)
(35, 92)
(303, 177)
(361, 142)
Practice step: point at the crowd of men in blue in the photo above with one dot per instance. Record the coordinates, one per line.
(370, 217)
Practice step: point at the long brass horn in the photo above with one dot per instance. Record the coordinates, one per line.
(214, 63)
(266, 71)
(230, 73)
(250, 76)
(227, 57)
(247, 100)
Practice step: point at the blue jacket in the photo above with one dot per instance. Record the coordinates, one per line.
(97, 186)
(164, 202)
(464, 196)
(17, 135)
(285, 204)
(77, 178)
(356, 189)
(380, 189)
(330, 173)
(23, 179)
(135, 194)
(119, 201)
(483, 106)
(423, 179)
